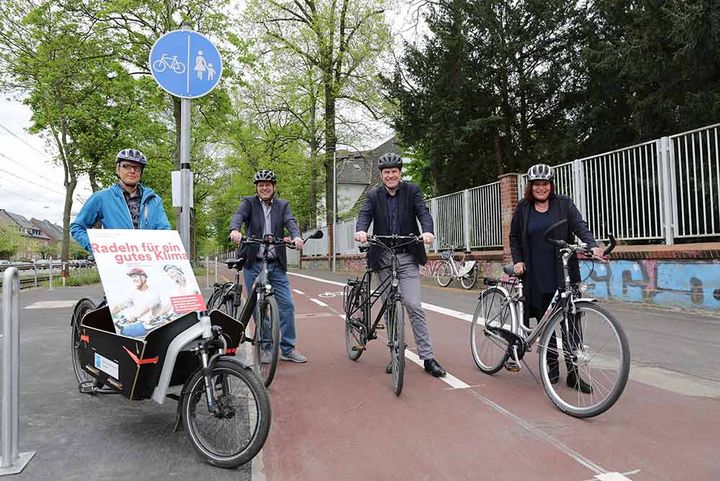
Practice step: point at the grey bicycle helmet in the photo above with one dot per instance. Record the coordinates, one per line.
(389, 161)
(264, 176)
(541, 172)
(133, 155)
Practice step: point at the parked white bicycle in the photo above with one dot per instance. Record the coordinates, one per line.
(452, 267)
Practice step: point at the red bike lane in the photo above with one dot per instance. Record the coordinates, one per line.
(335, 419)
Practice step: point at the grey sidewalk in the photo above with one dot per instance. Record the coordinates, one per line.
(83, 437)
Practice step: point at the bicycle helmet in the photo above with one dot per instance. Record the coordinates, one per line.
(136, 271)
(389, 161)
(264, 176)
(541, 172)
(172, 267)
(133, 155)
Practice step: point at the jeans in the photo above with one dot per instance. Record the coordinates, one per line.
(281, 287)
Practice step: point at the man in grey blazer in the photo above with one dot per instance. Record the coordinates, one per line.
(262, 214)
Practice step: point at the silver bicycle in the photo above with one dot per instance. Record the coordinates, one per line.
(574, 332)
(455, 268)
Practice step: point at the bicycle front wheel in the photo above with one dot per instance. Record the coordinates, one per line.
(468, 280)
(81, 308)
(237, 430)
(443, 275)
(593, 347)
(396, 333)
(492, 316)
(267, 340)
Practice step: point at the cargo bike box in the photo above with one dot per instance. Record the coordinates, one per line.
(133, 366)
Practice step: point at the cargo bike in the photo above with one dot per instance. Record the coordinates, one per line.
(222, 404)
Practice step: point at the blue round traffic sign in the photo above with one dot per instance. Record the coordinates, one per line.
(185, 64)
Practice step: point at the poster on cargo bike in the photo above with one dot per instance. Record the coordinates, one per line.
(147, 278)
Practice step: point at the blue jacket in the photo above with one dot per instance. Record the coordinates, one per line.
(108, 207)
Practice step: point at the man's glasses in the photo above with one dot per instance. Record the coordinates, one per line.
(131, 167)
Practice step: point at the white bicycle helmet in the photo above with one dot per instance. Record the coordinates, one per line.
(264, 176)
(132, 155)
(541, 172)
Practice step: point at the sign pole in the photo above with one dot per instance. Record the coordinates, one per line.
(187, 65)
(185, 174)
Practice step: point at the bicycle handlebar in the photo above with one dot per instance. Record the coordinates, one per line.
(377, 241)
(581, 247)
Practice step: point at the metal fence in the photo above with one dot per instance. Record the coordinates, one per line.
(664, 189)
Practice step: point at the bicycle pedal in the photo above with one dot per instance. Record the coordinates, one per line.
(87, 387)
(512, 366)
(358, 348)
(380, 326)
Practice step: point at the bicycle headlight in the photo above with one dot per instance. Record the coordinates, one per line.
(582, 287)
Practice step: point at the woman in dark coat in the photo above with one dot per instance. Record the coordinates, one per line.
(537, 259)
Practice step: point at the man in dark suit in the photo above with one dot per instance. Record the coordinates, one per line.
(395, 208)
(262, 214)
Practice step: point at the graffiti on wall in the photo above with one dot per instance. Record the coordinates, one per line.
(688, 284)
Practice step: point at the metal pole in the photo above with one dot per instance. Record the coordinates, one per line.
(35, 272)
(334, 236)
(11, 462)
(207, 271)
(216, 269)
(50, 288)
(63, 266)
(185, 174)
(466, 219)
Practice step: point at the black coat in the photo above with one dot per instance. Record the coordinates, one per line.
(411, 209)
(250, 213)
(561, 207)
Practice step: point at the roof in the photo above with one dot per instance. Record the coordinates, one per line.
(53, 231)
(353, 167)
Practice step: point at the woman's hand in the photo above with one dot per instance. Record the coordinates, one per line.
(598, 253)
(519, 268)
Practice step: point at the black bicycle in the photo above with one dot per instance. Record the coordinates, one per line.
(360, 299)
(222, 405)
(227, 297)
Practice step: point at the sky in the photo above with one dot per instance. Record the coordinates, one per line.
(31, 181)
(31, 184)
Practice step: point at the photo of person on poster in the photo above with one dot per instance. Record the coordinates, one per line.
(142, 308)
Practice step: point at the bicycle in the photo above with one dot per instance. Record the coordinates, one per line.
(458, 269)
(169, 61)
(593, 343)
(223, 405)
(261, 304)
(360, 299)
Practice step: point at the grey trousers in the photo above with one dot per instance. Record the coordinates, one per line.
(409, 283)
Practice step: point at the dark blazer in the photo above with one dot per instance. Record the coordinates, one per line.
(561, 207)
(411, 209)
(251, 215)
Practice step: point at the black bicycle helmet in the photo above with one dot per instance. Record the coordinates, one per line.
(389, 161)
(541, 172)
(133, 155)
(264, 176)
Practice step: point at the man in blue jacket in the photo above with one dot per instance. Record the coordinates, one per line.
(125, 205)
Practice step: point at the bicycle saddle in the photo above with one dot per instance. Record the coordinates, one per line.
(235, 263)
(508, 269)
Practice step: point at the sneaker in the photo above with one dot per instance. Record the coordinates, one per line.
(293, 356)
(265, 356)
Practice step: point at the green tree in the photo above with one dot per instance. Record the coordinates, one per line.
(490, 90)
(342, 40)
(9, 241)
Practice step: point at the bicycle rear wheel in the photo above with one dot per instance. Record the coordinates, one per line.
(443, 275)
(267, 340)
(355, 328)
(81, 308)
(595, 349)
(237, 430)
(492, 314)
(468, 280)
(396, 334)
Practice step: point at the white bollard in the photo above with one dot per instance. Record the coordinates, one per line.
(11, 462)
